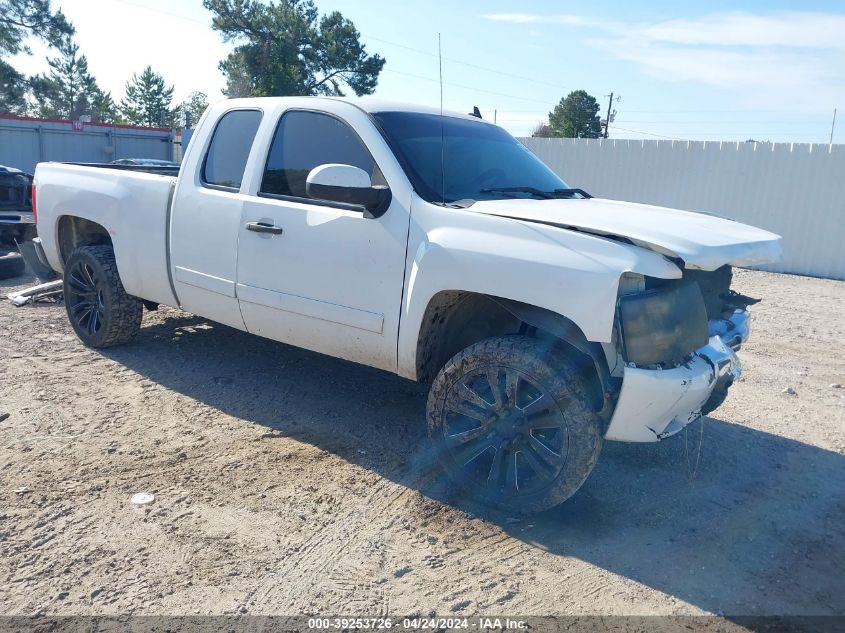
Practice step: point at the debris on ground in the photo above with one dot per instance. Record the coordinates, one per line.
(50, 290)
(789, 391)
(302, 523)
(142, 498)
(22, 490)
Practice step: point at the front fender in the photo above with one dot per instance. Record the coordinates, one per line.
(572, 274)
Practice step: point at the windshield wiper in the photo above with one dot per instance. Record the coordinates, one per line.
(572, 192)
(546, 195)
(534, 192)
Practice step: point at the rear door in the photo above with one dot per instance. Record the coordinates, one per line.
(330, 279)
(206, 219)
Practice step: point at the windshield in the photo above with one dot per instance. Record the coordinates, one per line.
(478, 158)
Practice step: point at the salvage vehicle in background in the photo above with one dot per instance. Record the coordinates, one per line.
(144, 162)
(433, 246)
(16, 219)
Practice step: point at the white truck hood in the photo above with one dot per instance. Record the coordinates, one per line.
(701, 240)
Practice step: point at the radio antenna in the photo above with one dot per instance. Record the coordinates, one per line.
(442, 133)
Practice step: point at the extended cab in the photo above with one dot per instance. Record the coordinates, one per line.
(436, 247)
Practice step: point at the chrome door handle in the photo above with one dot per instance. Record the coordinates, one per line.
(263, 227)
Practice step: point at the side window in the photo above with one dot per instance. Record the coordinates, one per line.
(305, 140)
(229, 149)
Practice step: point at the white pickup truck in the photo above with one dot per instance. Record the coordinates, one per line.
(433, 246)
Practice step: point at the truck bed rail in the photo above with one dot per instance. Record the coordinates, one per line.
(161, 170)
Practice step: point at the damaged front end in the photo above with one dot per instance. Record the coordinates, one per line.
(677, 342)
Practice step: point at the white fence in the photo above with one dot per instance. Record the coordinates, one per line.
(795, 190)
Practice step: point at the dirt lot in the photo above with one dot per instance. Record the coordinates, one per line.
(287, 482)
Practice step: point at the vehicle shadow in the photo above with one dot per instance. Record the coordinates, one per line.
(727, 518)
(12, 282)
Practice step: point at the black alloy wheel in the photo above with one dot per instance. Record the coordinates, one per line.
(84, 298)
(513, 424)
(100, 310)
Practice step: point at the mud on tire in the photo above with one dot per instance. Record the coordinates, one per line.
(100, 311)
(512, 423)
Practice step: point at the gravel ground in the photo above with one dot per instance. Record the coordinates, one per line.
(287, 482)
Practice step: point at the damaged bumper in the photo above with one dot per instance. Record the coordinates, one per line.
(657, 403)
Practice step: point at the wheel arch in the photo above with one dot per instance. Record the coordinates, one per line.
(74, 231)
(455, 319)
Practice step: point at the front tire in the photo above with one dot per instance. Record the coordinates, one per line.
(512, 423)
(100, 311)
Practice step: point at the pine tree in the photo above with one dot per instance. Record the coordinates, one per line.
(66, 91)
(20, 19)
(195, 105)
(543, 130)
(148, 100)
(12, 90)
(576, 116)
(103, 109)
(287, 48)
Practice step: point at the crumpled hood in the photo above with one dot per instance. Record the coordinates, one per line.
(703, 241)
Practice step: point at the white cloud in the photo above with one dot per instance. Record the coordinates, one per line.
(791, 29)
(124, 39)
(532, 18)
(783, 60)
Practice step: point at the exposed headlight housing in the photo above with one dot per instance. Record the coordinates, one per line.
(663, 325)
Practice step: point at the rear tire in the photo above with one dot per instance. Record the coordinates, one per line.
(512, 423)
(100, 311)
(11, 265)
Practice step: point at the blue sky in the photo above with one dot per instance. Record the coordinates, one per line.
(716, 70)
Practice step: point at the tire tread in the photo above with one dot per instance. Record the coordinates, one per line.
(567, 377)
(125, 311)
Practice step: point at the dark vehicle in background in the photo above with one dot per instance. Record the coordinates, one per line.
(19, 244)
(16, 220)
(144, 162)
(17, 224)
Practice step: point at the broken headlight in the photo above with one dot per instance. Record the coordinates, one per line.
(663, 325)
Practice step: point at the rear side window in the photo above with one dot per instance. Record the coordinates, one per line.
(229, 149)
(305, 140)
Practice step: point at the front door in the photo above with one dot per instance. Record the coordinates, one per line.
(206, 216)
(314, 274)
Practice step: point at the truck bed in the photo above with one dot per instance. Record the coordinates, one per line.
(131, 203)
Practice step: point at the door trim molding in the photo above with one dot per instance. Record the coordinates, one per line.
(197, 279)
(323, 310)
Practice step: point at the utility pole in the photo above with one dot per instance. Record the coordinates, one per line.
(610, 114)
(833, 126)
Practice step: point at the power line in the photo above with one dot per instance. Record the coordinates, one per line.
(753, 120)
(467, 64)
(698, 111)
(151, 10)
(529, 80)
(671, 138)
(738, 135)
(610, 115)
(833, 126)
(409, 48)
(454, 85)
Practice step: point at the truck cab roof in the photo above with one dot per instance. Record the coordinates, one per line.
(370, 105)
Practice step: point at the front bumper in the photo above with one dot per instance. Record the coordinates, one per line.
(657, 403)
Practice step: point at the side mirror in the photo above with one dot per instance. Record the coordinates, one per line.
(348, 184)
